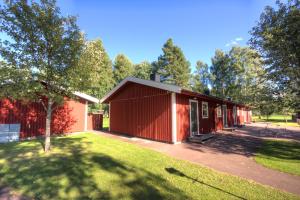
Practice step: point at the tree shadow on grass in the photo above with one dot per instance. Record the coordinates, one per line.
(68, 173)
(50, 176)
(176, 172)
(281, 150)
(141, 183)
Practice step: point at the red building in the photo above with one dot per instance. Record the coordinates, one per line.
(168, 113)
(30, 117)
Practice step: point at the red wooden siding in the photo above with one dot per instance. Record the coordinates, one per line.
(206, 125)
(183, 117)
(77, 112)
(32, 117)
(218, 120)
(141, 111)
(230, 121)
(95, 121)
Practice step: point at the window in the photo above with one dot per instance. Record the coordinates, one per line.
(219, 111)
(204, 110)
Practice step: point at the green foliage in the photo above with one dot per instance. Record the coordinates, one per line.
(278, 120)
(123, 68)
(143, 70)
(280, 155)
(277, 37)
(265, 102)
(43, 47)
(201, 78)
(105, 123)
(173, 66)
(220, 76)
(98, 67)
(41, 55)
(238, 74)
(90, 166)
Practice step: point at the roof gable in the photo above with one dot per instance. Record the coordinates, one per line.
(155, 84)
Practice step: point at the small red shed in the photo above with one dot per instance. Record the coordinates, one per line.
(30, 117)
(168, 113)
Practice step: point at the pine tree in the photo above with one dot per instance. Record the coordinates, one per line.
(220, 75)
(201, 78)
(123, 68)
(173, 66)
(143, 70)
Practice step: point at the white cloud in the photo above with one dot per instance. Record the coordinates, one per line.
(234, 42)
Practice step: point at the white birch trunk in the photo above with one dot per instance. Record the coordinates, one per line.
(48, 126)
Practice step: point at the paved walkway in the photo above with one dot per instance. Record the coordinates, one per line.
(227, 152)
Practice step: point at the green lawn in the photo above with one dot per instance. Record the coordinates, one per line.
(280, 155)
(91, 166)
(105, 123)
(276, 120)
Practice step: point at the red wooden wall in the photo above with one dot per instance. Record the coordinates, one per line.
(183, 117)
(230, 121)
(218, 120)
(95, 121)
(32, 117)
(206, 125)
(141, 111)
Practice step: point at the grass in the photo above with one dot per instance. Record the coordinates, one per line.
(87, 166)
(276, 120)
(105, 123)
(280, 155)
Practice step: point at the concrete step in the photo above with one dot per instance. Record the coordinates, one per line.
(231, 129)
(201, 137)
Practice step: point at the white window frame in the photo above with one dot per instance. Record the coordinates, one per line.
(205, 103)
(219, 111)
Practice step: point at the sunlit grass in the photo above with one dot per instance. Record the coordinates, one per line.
(105, 123)
(278, 120)
(89, 166)
(280, 155)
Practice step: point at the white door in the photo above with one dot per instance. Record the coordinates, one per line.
(194, 118)
(224, 115)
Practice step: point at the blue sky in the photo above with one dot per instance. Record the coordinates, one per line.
(139, 28)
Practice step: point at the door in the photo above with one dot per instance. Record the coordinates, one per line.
(225, 116)
(194, 118)
(234, 115)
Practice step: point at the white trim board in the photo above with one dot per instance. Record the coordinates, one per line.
(155, 84)
(204, 103)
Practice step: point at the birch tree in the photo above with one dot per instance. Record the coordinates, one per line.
(40, 54)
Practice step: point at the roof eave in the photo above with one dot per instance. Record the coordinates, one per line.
(86, 97)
